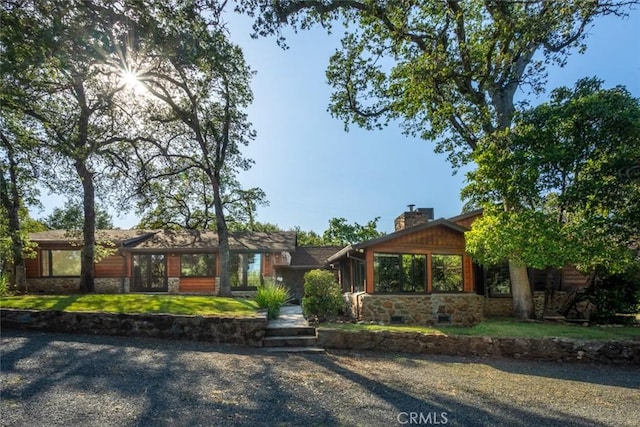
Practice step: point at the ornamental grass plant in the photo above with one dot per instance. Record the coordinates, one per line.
(272, 296)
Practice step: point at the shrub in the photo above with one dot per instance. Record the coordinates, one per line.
(322, 295)
(4, 285)
(272, 296)
(615, 295)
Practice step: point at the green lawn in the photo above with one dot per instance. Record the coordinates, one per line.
(135, 303)
(507, 328)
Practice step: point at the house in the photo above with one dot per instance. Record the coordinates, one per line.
(421, 274)
(173, 261)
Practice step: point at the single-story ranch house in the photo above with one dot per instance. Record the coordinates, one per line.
(172, 261)
(418, 274)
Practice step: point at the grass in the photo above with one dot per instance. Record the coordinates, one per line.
(507, 328)
(135, 303)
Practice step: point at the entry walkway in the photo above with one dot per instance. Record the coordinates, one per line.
(291, 333)
(290, 317)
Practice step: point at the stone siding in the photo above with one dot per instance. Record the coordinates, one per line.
(503, 306)
(54, 285)
(173, 285)
(108, 286)
(454, 309)
(353, 303)
(550, 349)
(232, 330)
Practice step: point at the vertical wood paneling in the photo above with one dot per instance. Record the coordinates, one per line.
(32, 266)
(173, 265)
(369, 275)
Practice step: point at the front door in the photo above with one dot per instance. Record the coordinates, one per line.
(149, 273)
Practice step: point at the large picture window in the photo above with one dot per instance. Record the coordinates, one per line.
(400, 273)
(61, 263)
(198, 265)
(446, 273)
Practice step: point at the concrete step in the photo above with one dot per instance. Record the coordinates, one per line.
(295, 350)
(290, 341)
(290, 331)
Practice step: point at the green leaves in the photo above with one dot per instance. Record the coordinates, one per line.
(568, 177)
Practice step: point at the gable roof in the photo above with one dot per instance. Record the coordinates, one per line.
(424, 226)
(441, 222)
(312, 256)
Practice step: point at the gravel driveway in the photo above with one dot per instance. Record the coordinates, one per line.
(58, 379)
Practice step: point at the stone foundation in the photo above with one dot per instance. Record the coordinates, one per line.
(232, 330)
(454, 309)
(173, 285)
(353, 303)
(108, 286)
(551, 349)
(503, 306)
(51, 285)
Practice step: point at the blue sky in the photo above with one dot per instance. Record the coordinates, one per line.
(312, 170)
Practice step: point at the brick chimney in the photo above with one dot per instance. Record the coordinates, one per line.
(413, 217)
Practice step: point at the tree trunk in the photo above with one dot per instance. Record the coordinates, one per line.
(87, 267)
(223, 239)
(523, 307)
(11, 202)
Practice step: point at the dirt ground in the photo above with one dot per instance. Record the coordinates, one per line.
(59, 379)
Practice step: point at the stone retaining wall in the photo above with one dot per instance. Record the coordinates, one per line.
(552, 349)
(454, 309)
(233, 330)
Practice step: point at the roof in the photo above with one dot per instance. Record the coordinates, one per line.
(183, 240)
(312, 256)
(74, 236)
(466, 215)
(179, 240)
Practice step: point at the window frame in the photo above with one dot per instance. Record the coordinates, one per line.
(47, 267)
(403, 279)
(238, 262)
(502, 265)
(213, 264)
(431, 275)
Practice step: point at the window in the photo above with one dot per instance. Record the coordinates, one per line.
(198, 265)
(498, 280)
(446, 273)
(400, 273)
(60, 263)
(149, 273)
(246, 270)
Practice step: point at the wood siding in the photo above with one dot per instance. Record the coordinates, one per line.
(173, 265)
(441, 237)
(32, 266)
(572, 279)
(468, 221)
(109, 267)
(198, 284)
